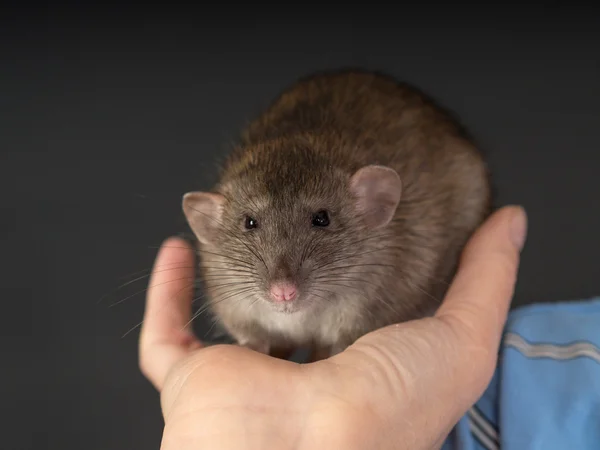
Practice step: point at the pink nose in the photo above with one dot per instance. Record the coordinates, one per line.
(283, 292)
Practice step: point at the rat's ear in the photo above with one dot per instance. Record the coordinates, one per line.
(203, 211)
(377, 190)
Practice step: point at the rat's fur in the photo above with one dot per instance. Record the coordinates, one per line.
(297, 158)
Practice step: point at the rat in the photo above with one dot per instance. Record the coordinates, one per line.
(343, 208)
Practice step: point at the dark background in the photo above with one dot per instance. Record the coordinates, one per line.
(108, 115)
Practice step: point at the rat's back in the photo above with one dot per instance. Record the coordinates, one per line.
(370, 110)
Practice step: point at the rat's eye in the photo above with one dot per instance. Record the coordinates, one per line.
(250, 223)
(320, 219)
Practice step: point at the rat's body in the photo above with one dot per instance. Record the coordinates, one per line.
(344, 209)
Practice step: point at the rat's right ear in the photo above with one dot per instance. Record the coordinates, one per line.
(203, 211)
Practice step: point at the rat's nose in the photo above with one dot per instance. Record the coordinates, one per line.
(283, 291)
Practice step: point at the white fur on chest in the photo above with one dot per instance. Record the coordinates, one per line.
(302, 327)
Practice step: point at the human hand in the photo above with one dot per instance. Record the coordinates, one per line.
(402, 387)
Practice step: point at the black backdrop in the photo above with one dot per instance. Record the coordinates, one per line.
(108, 116)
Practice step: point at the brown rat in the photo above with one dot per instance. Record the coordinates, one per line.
(343, 209)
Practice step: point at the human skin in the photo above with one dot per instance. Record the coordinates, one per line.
(400, 387)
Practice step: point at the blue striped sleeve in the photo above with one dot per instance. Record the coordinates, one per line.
(545, 393)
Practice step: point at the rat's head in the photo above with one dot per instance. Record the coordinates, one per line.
(291, 235)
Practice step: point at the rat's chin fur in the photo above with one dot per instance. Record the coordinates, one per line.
(287, 308)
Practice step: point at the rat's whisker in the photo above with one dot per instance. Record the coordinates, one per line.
(351, 266)
(319, 296)
(236, 283)
(229, 269)
(227, 276)
(138, 279)
(149, 269)
(207, 333)
(166, 304)
(149, 287)
(247, 263)
(326, 279)
(211, 304)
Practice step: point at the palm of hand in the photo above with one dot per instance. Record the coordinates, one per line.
(404, 386)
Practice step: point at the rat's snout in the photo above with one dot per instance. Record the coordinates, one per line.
(283, 283)
(283, 291)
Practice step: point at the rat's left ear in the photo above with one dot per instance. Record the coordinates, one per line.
(377, 190)
(204, 211)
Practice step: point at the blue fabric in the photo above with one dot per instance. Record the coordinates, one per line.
(545, 393)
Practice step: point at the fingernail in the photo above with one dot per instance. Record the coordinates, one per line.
(518, 228)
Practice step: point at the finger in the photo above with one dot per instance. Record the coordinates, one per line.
(478, 300)
(449, 359)
(166, 336)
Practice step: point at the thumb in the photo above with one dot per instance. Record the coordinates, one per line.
(477, 303)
